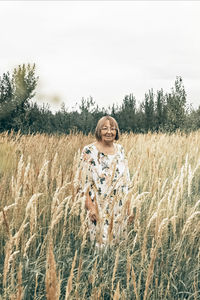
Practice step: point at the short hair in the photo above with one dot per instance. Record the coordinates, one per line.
(101, 122)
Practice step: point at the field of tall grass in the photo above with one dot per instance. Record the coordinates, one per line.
(45, 252)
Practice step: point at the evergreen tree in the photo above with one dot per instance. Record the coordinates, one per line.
(160, 111)
(149, 111)
(140, 119)
(176, 107)
(192, 122)
(126, 115)
(86, 120)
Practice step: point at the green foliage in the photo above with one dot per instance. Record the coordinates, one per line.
(149, 111)
(126, 115)
(15, 94)
(158, 112)
(176, 107)
(192, 122)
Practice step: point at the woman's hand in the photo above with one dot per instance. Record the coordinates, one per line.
(93, 213)
(92, 208)
(131, 219)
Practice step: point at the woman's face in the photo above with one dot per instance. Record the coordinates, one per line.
(108, 132)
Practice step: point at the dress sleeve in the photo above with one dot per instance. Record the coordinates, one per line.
(83, 175)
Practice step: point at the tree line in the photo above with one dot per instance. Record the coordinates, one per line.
(158, 112)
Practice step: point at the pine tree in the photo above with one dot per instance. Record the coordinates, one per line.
(176, 106)
(149, 111)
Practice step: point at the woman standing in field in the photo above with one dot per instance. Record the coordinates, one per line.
(103, 177)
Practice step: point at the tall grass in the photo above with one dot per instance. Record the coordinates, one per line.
(45, 252)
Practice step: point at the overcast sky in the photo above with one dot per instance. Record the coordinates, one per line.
(103, 49)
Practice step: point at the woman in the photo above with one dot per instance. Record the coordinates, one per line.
(103, 176)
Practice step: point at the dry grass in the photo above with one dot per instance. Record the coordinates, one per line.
(44, 248)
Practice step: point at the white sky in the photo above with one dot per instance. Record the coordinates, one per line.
(103, 49)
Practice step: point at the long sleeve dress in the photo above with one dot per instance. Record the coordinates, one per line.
(105, 179)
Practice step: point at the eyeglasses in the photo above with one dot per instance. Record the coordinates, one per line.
(108, 128)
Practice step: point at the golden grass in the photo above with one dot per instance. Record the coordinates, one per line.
(44, 248)
(51, 280)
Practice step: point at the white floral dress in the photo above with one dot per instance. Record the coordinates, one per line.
(105, 178)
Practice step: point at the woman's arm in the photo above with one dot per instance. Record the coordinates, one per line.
(91, 207)
(84, 179)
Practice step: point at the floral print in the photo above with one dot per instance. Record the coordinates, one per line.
(106, 179)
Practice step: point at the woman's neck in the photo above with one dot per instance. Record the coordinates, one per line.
(105, 147)
(106, 144)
